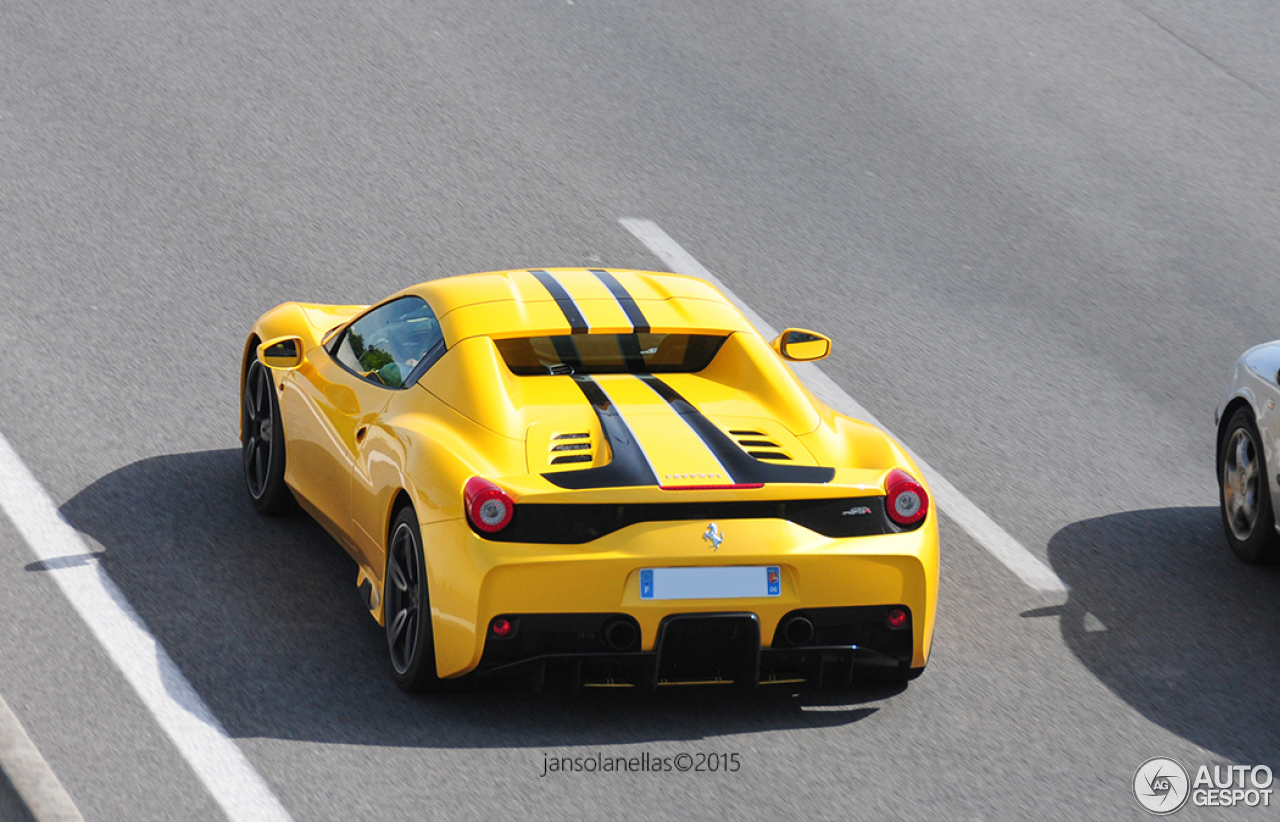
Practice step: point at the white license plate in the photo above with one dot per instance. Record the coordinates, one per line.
(710, 583)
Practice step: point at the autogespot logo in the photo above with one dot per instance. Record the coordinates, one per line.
(1161, 785)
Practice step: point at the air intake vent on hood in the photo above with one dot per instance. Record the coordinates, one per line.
(758, 445)
(571, 448)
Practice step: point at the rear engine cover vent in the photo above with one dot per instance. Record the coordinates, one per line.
(758, 445)
(571, 448)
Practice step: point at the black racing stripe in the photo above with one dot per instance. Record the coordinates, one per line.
(627, 468)
(630, 347)
(595, 395)
(567, 351)
(742, 467)
(639, 323)
(577, 323)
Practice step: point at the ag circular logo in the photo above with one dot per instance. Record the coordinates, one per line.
(1161, 785)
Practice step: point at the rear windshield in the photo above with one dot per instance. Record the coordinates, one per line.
(609, 353)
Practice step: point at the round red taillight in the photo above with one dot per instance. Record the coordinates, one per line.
(488, 506)
(906, 501)
(897, 618)
(502, 627)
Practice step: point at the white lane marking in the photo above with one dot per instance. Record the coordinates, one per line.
(997, 541)
(217, 761)
(30, 774)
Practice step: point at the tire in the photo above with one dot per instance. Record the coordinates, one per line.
(262, 442)
(407, 610)
(1244, 495)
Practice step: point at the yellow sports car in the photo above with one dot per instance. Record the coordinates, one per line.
(607, 477)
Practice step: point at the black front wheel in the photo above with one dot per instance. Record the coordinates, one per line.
(1244, 494)
(262, 442)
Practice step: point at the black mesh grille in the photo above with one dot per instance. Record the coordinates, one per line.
(571, 458)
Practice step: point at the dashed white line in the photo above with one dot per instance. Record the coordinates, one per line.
(984, 530)
(216, 760)
(36, 783)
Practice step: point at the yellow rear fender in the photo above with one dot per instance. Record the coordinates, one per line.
(442, 449)
(437, 465)
(437, 472)
(845, 442)
(408, 466)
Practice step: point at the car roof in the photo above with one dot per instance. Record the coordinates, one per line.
(552, 301)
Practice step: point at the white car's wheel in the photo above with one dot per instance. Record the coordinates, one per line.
(1244, 494)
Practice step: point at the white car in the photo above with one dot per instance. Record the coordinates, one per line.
(1248, 436)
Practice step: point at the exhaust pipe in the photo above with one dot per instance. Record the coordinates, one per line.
(798, 631)
(620, 634)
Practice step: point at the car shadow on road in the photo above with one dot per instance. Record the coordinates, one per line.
(262, 617)
(1164, 615)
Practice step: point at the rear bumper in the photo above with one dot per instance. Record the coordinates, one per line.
(603, 649)
(473, 580)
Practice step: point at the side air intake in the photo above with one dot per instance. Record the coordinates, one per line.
(570, 448)
(758, 445)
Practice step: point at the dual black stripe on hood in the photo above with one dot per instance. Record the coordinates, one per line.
(742, 467)
(630, 465)
(639, 324)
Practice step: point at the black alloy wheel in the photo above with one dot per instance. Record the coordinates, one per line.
(407, 611)
(262, 441)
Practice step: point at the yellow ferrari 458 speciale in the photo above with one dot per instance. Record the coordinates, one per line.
(602, 476)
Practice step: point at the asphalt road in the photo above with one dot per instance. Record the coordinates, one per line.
(1039, 232)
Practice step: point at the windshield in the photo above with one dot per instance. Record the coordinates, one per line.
(609, 353)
